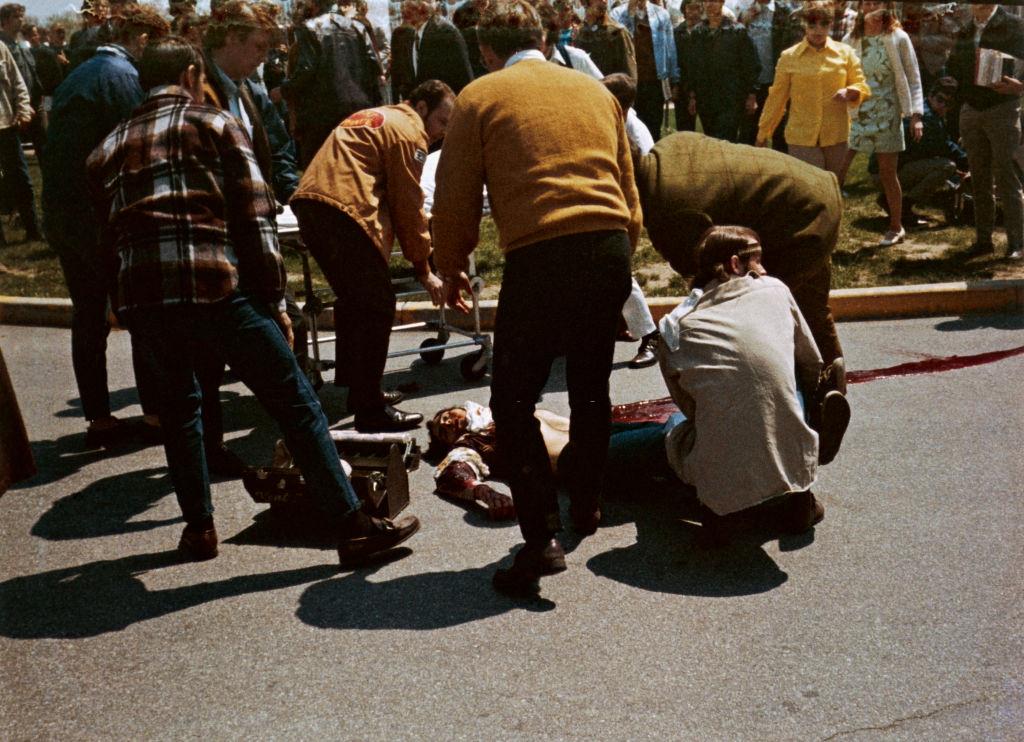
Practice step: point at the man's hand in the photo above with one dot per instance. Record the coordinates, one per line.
(751, 104)
(433, 286)
(763, 143)
(453, 288)
(846, 95)
(25, 120)
(285, 323)
(691, 107)
(1009, 86)
(916, 128)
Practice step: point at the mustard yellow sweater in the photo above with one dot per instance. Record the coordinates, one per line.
(550, 145)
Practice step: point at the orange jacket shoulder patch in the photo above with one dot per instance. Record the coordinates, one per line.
(369, 119)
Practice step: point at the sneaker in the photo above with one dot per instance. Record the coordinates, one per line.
(892, 238)
(362, 536)
(1016, 255)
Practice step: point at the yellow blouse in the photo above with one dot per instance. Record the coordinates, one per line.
(807, 78)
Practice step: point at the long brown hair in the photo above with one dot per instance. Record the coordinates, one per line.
(889, 21)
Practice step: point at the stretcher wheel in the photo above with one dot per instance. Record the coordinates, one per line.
(473, 366)
(432, 357)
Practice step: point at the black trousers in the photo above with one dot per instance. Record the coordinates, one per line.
(722, 121)
(558, 297)
(749, 122)
(365, 307)
(650, 106)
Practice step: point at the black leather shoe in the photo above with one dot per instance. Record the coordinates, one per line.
(222, 462)
(387, 420)
(647, 353)
(115, 435)
(391, 397)
(531, 563)
(362, 536)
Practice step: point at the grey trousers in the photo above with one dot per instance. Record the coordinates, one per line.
(991, 137)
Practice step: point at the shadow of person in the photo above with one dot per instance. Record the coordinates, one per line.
(666, 558)
(982, 321)
(106, 596)
(119, 400)
(60, 458)
(107, 506)
(420, 602)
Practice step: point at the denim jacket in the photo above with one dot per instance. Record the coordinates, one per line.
(661, 35)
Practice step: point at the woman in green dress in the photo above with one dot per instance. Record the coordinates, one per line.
(890, 66)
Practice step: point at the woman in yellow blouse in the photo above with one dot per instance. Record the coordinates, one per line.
(821, 80)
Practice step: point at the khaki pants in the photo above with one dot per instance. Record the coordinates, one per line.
(991, 138)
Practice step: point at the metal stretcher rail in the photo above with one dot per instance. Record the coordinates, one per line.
(472, 366)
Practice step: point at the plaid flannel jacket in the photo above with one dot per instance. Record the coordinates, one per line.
(187, 217)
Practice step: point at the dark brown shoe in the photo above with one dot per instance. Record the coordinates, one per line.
(835, 418)
(801, 513)
(198, 544)
(531, 563)
(363, 536)
(647, 353)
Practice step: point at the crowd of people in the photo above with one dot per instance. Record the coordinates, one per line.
(168, 148)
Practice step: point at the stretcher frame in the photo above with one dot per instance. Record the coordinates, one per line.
(472, 366)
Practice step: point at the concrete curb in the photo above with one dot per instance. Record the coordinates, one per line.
(884, 302)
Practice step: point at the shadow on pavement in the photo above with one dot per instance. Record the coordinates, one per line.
(107, 506)
(981, 322)
(420, 602)
(667, 558)
(105, 596)
(119, 399)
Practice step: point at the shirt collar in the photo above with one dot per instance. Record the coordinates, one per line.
(525, 54)
(229, 85)
(171, 90)
(803, 46)
(116, 50)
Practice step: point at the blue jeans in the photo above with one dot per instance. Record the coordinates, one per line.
(249, 340)
(638, 449)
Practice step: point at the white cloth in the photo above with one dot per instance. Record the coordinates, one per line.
(477, 416)
(525, 54)
(904, 67)
(579, 60)
(637, 314)
(733, 373)
(428, 182)
(638, 133)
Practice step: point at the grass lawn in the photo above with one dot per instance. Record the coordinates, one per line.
(931, 255)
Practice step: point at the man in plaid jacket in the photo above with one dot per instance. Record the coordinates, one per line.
(188, 222)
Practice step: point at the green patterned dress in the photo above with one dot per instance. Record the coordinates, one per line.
(877, 125)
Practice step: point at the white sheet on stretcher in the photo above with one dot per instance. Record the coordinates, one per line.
(427, 184)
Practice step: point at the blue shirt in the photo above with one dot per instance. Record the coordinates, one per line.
(661, 36)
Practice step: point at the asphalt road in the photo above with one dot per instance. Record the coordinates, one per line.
(901, 618)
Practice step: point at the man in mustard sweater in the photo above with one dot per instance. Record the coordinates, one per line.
(361, 190)
(551, 146)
